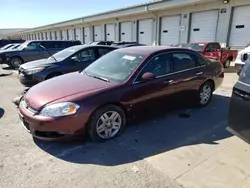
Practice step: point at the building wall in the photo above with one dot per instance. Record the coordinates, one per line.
(156, 11)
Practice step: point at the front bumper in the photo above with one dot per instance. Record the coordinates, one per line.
(48, 128)
(238, 67)
(27, 80)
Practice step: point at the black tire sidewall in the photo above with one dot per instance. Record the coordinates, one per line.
(13, 59)
(198, 98)
(95, 117)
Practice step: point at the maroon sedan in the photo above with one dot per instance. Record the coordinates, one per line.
(101, 98)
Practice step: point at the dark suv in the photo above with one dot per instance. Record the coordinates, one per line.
(34, 50)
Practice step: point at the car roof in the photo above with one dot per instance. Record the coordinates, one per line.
(147, 50)
(82, 46)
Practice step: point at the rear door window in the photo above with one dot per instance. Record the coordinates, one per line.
(183, 61)
(86, 55)
(159, 65)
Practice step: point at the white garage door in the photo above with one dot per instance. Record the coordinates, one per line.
(53, 35)
(48, 35)
(204, 26)
(58, 35)
(78, 34)
(110, 32)
(240, 28)
(126, 31)
(145, 31)
(71, 34)
(64, 35)
(170, 30)
(87, 35)
(97, 33)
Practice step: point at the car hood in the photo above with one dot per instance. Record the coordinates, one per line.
(37, 63)
(62, 88)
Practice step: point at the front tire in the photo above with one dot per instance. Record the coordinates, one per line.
(205, 94)
(16, 62)
(106, 123)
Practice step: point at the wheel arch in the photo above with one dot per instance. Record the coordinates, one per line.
(16, 56)
(107, 104)
(210, 81)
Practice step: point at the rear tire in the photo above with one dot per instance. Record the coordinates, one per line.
(205, 94)
(15, 62)
(227, 63)
(102, 126)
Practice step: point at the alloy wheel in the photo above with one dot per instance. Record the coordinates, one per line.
(205, 94)
(16, 63)
(109, 124)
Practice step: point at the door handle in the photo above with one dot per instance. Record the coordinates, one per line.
(244, 96)
(199, 73)
(169, 82)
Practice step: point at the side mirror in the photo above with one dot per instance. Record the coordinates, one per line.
(74, 58)
(147, 76)
(244, 57)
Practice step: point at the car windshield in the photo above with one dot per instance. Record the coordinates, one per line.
(194, 46)
(59, 56)
(115, 66)
(23, 45)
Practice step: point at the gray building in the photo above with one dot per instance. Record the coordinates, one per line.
(162, 22)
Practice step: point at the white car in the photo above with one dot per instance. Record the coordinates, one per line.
(238, 62)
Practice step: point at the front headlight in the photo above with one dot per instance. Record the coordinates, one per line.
(33, 71)
(60, 109)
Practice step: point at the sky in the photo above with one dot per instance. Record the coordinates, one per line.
(35, 13)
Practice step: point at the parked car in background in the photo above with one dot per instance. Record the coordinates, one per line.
(101, 43)
(71, 59)
(34, 50)
(4, 42)
(15, 46)
(122, 44)
(213, 50)
(126, 44)
(239, 110)
(103, 96)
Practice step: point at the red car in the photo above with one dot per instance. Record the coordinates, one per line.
(101, 98)
(213, 50)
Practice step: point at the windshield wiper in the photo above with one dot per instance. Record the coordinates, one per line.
(101, 78)
(97, 77)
